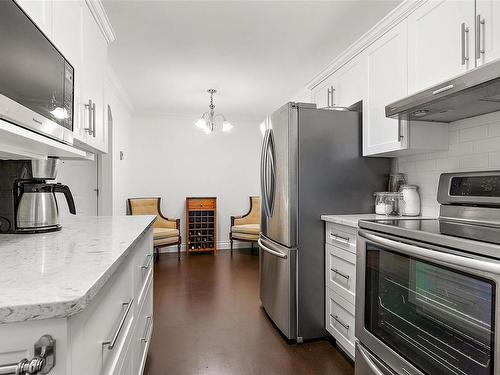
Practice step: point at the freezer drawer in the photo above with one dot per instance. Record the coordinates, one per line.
(277, 285)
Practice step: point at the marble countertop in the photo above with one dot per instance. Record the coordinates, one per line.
(57, 274)
(352, 220)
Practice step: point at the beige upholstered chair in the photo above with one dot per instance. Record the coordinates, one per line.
(246, 227)
(166, 231)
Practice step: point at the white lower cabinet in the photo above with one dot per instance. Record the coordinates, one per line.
(340, 321)
(110, 336)
(341, 272)
(340, 275)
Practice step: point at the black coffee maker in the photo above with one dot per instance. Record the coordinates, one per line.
(27, 201)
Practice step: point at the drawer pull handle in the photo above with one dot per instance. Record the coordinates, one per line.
(149, 325)
(148, 262)
(338, 238)
(111, 343)
(337, 319)
(340, 273)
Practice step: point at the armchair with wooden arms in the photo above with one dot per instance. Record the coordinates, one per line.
(166, 231)
(246, 227)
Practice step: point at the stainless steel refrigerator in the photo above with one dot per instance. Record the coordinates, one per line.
(311, 164)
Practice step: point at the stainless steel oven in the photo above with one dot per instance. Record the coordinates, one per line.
(426, 289)
(425, 309)
(36, 81)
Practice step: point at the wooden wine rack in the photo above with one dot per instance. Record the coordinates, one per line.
(201, 225)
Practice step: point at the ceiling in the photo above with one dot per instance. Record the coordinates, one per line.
(257, 54)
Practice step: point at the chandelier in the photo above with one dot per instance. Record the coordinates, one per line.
(207, 121)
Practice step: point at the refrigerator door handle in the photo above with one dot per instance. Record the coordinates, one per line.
(270, 251)
(272, 165)
(263, 171)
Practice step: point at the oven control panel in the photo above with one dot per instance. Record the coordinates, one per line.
(475, 186)
(470, 188)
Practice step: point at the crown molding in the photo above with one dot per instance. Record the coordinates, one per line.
(398, 14)
(101, 17)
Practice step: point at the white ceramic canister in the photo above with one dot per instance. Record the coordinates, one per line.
(410, 202)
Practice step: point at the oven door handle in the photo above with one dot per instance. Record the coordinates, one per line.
(433, 255)
(368, 361)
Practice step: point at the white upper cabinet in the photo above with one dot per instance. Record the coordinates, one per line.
(440, 42)
(387, 82)
(71, 26)
(350, 86)
(487, 31)
(94, 60)
(345, 87)
(40, 11)
(67, 16)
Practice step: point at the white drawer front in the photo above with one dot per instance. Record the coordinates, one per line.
(340, 321)
(143, 267)
(341, 236)
(144, 330)
(100, 322)
(341, 272)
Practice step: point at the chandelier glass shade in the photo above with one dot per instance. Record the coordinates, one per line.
(207, 121)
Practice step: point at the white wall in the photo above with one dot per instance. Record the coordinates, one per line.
(173, 159)
(121, 140)
(474, 145)
(81, 177)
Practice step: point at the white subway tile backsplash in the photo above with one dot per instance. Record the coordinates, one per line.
(494, 159)
(487, 145)
(454, 137)
(473, 134)
(475, 161)
(494, 130)
(474, 145)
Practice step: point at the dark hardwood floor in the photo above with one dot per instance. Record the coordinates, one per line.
(208, 320)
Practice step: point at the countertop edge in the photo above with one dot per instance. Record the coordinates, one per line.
(65, 309)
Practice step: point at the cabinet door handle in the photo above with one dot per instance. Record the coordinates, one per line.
(93, 120)
(400, 130)
(148, 262)
(480, 29)
(89, 107)
(149, 325)
(464, 30)
(337, 319)
(340, 273)
(333, 92)
(111, 343)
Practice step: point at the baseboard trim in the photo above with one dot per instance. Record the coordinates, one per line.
(221, 245)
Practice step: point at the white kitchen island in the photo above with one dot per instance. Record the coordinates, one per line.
(89, 286)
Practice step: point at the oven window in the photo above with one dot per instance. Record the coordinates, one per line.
(437, 318)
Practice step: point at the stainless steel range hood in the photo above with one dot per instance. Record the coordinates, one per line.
(474, 93)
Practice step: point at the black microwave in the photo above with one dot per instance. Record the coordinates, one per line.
(36, 81)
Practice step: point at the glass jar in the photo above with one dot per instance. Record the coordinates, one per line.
(410, 202)
(396, 181)
(380, 208)
(387, 203)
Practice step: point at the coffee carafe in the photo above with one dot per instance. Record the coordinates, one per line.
(36, 205)
(35, 201)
